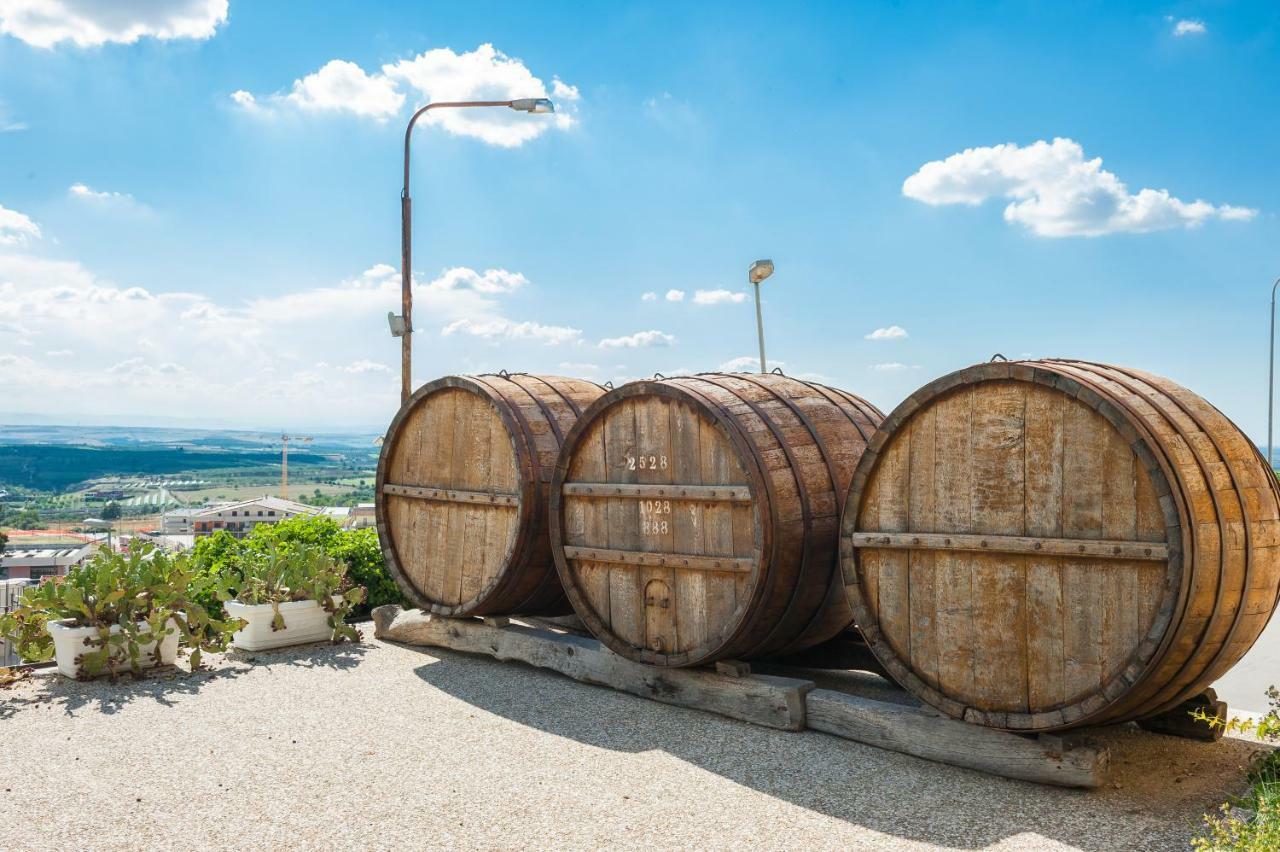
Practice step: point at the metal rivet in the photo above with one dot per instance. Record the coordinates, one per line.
(1147, 551)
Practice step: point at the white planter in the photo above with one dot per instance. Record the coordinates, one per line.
(70, 642)
(304, 621)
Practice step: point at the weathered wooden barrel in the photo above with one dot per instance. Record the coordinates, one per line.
(1041, 545)
(462, 492)
(695, 519)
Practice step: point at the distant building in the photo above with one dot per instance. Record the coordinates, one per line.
(341, 514)
(37, 561)
(240, 518)
(362, 516)
(179, 521)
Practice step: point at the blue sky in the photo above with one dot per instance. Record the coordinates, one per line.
(199, 212)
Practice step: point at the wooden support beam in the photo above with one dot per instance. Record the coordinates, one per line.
(1064, 761)
(727, 564)
(451, 495)
(1178, 722)
(733, 668)
(1153, 551)
(694, 493)
(774, 702)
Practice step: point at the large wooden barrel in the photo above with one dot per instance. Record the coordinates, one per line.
(462, 492)
(1046, 544)
(695, 518)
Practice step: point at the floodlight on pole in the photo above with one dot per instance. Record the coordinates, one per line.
(760, 270)
(404, 322)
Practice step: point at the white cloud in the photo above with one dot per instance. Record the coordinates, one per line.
(1188, 26)
(649, 297)
(87, 23)
(579, 368)
(562, 91)
(748, 364)
(484, 74)
(499, 327)
(16, 229)
(894, 367)
(343, 86)
(718, 297)
(364, 365)
(640, 339)
(675, 295)
(1056, 192)
(114, 200)
(134, 351)
(7, 124)
(893, 332)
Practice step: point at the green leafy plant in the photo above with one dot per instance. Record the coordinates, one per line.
(145, 594)
(277, 575)
(359, 549)
(1233, 828)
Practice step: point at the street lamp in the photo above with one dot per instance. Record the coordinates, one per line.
(1271, 373)
(402, 326)
(759, 271)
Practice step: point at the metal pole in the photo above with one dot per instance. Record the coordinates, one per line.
(1271, 371)
(760, 328)
(406, 247)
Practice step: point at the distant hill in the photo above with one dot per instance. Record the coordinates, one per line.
(54, 467)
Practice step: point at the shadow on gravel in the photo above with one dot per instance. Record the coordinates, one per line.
(1161, 785)
(163, 686)
(166, 685)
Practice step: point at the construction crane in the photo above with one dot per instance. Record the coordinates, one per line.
(284, 460)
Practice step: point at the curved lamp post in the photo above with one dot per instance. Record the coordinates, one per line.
(402, 326)
(1271, 372)
(760, 270)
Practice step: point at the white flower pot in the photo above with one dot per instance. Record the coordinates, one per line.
(304, 621)
(70, 642)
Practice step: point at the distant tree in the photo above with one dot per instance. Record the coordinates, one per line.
(28, 519)
(4, 539)
(112, 512)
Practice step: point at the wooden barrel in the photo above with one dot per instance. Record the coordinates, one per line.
(462, 492)
(695, 519)
(1046, 544)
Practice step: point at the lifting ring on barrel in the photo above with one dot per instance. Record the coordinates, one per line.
(998, 357)
(777, 371)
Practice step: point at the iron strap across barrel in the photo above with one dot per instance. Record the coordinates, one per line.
(462, 492)
(1046, 544)
(695, 518)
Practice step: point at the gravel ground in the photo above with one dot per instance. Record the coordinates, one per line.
(380, 746)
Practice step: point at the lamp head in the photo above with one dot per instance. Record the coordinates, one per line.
(533, 105)
(396, 322)
(760, 270)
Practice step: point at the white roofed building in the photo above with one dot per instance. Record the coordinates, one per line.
(241, 517)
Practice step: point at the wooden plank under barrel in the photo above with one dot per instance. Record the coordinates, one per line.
(462, 492)
(1041, 545)
(694, 519)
